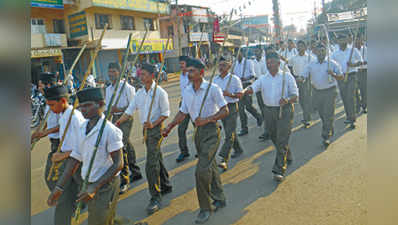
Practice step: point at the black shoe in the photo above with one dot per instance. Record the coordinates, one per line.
(264, 137)
(259, 122)
(348, 121)
(166, 189)
(196, 155)
(219, 204)
(182, 157)
(243, 132)
(352, 125)
(154, 205)
(135, 177)
(365, 110)
(203, 216)
(123, 189)
(236, 154)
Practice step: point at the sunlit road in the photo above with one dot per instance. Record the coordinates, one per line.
(323, 186)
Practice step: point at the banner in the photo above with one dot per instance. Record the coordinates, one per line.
(58, 4)
(257, 21)
(198, 36)
(348, 15)
(77, 24)
(150, 46)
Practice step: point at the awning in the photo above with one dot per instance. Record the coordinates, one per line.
(227, 44)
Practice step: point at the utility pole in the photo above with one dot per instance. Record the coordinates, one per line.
(178, 29)
(324, 17)
(277, 19)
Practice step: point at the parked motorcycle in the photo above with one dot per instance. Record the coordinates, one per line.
(37, 106)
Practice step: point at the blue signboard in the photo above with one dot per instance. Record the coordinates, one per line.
(77, 24)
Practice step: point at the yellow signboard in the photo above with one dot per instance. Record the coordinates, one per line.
(151, 45)
(51, 52)
(150, 6)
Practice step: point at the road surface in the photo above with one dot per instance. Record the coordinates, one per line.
(323, 186)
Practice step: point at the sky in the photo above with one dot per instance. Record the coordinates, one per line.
(296, 12)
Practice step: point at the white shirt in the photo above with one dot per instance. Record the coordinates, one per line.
(142, 102)
(52, 121)
(77, 120)
(249, 68)
(319, 74)
(342, 57)
(192, 100)
(184, 81)
(289, 53)
(90, 81)
(111, 141)
(235, 86)
(271, 87)
(125, 98)
(364, 53)
(299, 63)
(260, 67)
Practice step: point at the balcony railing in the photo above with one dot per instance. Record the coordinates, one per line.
(48, 40)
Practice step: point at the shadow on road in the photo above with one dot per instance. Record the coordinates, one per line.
(248, 178)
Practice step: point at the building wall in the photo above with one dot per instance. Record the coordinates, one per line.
(116, 26)
(48, 15)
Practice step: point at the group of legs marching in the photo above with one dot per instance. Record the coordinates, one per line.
(313, 81)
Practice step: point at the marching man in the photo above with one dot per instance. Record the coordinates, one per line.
(299, 63)
(157, 175)
(232, 93)
(57, 99)
(324, 91)
(277, 97)
(103, 182)
(207, 137)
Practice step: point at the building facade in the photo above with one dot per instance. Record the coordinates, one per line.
(191, 28)
(48, 36)
(86, 19)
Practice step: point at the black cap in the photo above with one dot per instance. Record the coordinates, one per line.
(225, 59)
(273, 55)
(48, 77)
(90, 94)
(114, 65)
(148, 67)
(195, 63)
(342, 35)
(55, 92)
(183, 58)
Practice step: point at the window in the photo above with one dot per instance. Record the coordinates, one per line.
(170, 30)
(127, 22)
(101, 20)
(186, 27)
(37, 26)
(59, 26)
(203, 27)
(148, 23)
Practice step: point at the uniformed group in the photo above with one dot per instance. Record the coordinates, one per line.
(311, 74)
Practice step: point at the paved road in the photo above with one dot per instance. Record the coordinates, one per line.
(323, 186)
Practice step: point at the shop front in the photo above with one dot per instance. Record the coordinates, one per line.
(46, 60)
